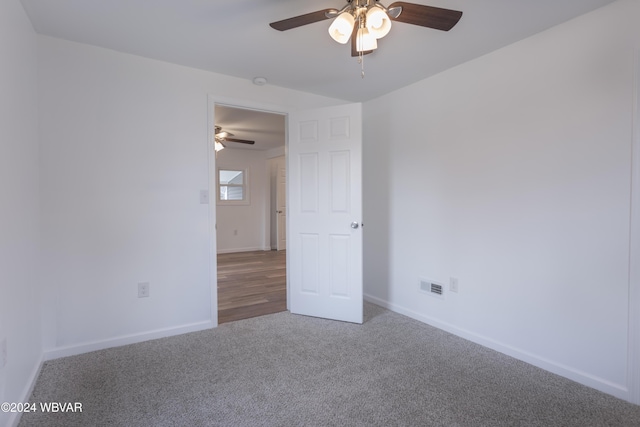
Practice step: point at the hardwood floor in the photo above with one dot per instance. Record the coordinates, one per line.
(251, 284)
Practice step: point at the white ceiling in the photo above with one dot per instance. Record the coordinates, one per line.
(266, 129)
(233, 37)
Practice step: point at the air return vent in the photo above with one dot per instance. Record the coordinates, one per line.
(436, 289)
(432, 288)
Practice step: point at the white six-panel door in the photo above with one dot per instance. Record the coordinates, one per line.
(325, 213)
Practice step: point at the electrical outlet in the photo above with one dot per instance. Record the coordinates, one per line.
(3, 353)
(143, 290)
(453, 284)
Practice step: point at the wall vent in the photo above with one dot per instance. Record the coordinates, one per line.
(432, 288)
(436, 289)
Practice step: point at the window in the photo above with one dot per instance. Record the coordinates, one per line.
(232, 186)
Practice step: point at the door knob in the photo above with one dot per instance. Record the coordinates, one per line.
(355, 225)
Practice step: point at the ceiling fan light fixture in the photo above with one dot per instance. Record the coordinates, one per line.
(218, 146)
(373, 20)
(342, 27)
(365, 41)
(378, 22)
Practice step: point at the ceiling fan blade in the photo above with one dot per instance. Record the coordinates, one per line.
(241, 141)
(299, 21)
(427, 16)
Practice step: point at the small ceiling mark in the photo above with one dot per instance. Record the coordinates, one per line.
(259, 81)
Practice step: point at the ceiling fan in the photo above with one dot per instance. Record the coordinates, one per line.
(222, 136)
(366, 21)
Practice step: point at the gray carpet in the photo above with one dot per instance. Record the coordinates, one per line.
(288, 370)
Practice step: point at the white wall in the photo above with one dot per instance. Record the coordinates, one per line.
(512, 173)
(19, 193)
(124, 157)
(245, 227)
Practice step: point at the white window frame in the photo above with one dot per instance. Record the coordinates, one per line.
(245, 187)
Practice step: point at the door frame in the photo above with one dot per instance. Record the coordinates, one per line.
(633, 355)
(279, 229)
(212, 101)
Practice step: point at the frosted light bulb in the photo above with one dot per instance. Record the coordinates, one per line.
(341, 28)
(378, 23)
(365, 41)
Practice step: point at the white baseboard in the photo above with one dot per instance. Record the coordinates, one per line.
(234, 250)
(87, 347)
(617, 390)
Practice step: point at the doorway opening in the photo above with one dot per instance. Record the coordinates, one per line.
(251, 225)
(251, 284)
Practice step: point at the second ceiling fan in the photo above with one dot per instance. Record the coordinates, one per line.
(222, 136)
(365, 21)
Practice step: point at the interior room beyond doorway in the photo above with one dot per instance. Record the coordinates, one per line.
(250, 232)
